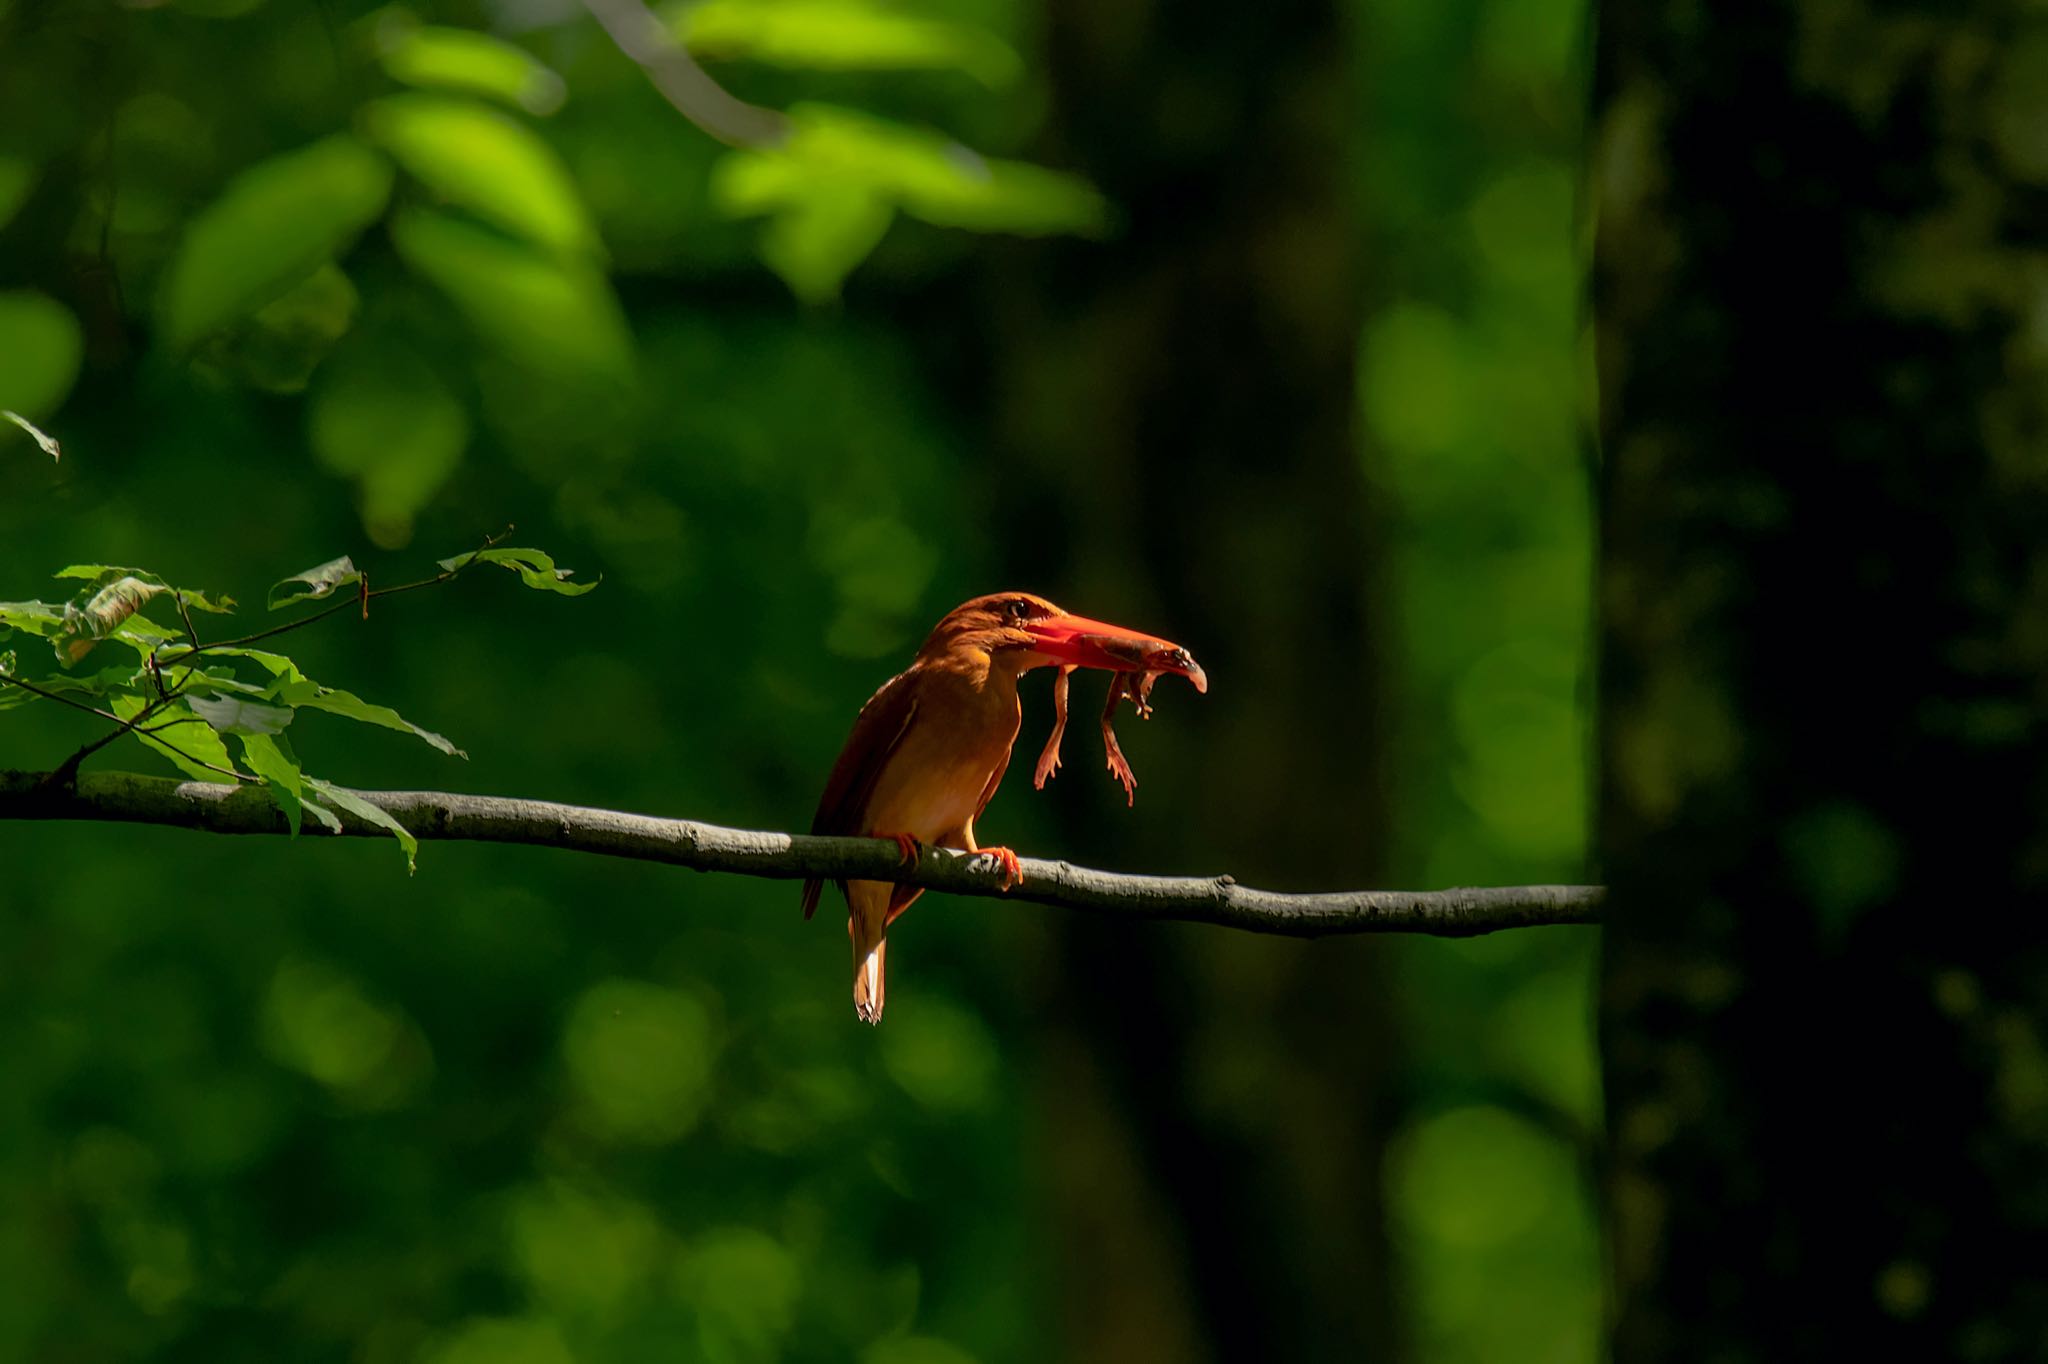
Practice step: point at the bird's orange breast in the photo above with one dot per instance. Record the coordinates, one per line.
(959, 739)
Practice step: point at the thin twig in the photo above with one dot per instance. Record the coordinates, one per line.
(185, 614)
(682, 82)
(67, 770)
(447, 575)
(362, 597)
(127, 797)
(61, 699)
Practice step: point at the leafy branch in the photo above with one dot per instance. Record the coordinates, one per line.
(184, 683)
(828, 180)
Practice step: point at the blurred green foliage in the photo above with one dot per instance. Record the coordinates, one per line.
(286, 279)
(1474, 381)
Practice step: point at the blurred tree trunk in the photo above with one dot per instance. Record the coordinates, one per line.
(1822, 278)
(1176, 412)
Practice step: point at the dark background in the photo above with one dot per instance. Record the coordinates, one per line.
(1302, 388)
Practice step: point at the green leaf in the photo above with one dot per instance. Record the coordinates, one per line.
(275, 224)
(388, 423)
(268, 760)
(41, 345)
(17, 178)
(814, 243)
(212, 679)
(196, 601)
(41, 437)
(555, 315)
(231, 716)
(534, 568)
(277, 665)
(474, 63)
(835, 35)
(36, 617)
(835, 177)
(479, 159)
(312, 696)
(319, 581)
(362, 809)
(322, 816)
(114, 680)
(103, 613)
(196, 742)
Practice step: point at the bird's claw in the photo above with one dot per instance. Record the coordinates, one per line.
(907, 845)
(1006, 862)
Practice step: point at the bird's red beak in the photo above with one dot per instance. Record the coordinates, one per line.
(1086, 643)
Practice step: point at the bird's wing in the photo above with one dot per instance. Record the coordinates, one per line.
(995, 779)
(877, 732)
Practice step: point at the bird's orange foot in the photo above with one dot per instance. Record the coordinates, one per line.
(906, 844)
(1006, 862)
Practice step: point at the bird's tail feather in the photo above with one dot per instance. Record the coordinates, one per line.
(868, 980)
(867, 923)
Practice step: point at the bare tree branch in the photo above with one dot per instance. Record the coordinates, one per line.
(686, 85)
(127, 797)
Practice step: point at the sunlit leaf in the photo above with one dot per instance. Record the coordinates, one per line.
(270, 761)
(211, 679)
(534, 568)
(387, 422)
(17, 178)
(195, 601)
(348, 801)
(320, 813)
(316, 582)
(436, 57)
(41, 437)
(231, 716)
(832, 183)
(930, 175)
(200, 601)
(36, 617)
(41, 345)
(844, 35)
(311, 696)
(816, 242)
(276, 664)
(196, 745)
(554, 314)
(273, 225)
(487, 162)
(84, 626)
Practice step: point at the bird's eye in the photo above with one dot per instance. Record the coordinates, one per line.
(1018, 609)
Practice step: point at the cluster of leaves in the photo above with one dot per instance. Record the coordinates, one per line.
(274, 275)
(184, 698)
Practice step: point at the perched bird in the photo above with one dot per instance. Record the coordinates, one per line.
(930, 747)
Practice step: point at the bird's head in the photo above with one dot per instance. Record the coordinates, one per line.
(1027, 631)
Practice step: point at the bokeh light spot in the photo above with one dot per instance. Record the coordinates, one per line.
(639, 1059)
